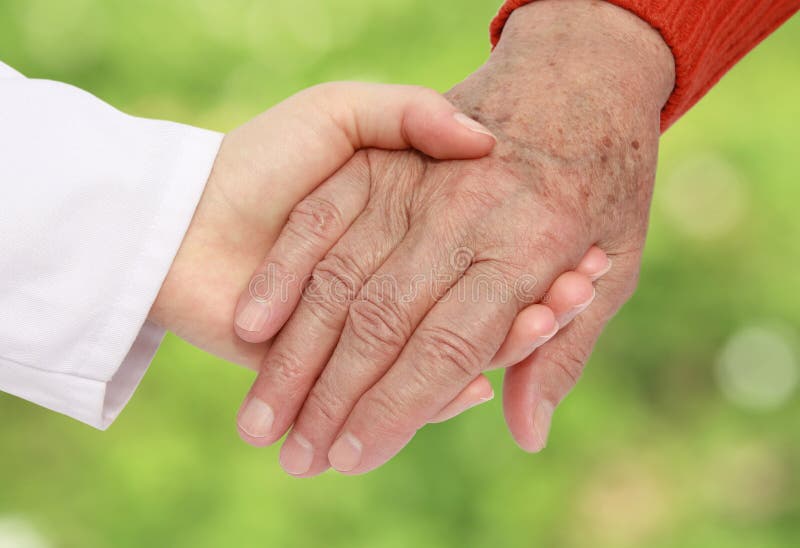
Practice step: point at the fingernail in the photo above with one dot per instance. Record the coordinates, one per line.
(542, 418)
(254, 315)
(448, 413)
(539, 341)
(603, 272)
(296, 454)
(569, 316)
(544, 338)
(472, 125)
(476, 403)
(345, 453)
(256, 418)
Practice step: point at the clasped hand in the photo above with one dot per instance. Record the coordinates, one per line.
(383, 284)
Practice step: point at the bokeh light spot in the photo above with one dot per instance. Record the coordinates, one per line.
(757, 368)
(704, 197)
(18, 532)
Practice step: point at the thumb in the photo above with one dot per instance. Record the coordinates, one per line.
(273, 161)
(398, 117)
(535, 386)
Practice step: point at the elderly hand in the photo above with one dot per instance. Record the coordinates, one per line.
(265, 167)
(410, 305)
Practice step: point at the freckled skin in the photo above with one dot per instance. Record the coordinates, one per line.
(571, 168)
(544, 137)
(562, 177)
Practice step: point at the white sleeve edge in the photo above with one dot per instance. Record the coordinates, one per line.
(94, 402)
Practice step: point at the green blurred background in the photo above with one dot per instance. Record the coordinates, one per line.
(683, 432)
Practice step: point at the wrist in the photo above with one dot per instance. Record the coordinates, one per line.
(589, 43)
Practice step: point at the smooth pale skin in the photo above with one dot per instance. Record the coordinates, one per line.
(573, 92)
(265, 167)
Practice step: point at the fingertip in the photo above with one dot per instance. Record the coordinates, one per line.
(249, 440)
(571, 289)
(535, 321)
(529, 430)
(471, 139)
(525, 414)
(257, 319)
(532, 327)
(480, 389)
(254, 337)
(594, 264)
(526, 440)
(477, 392)
(473, 125)
(446, 134)
(296, 455)
(251, 319)
(254, 422)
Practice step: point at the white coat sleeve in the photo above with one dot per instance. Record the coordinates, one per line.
(93, 207)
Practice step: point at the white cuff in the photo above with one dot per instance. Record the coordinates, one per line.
(95, 402)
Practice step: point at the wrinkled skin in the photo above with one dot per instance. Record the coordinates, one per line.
(573, 92)
(268, 165)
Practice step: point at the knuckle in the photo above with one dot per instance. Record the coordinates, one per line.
(385, 410)
(569, 363)
(453, 351)
(322, 407)
(317, 218)
(327, 311)
(378, 325)
(331, 288)
(287, 370)
(339, 272)
(496, 281)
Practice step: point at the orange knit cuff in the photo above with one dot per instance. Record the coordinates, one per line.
(707, 37)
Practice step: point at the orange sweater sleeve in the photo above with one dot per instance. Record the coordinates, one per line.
(707, 38)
